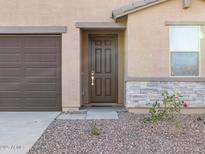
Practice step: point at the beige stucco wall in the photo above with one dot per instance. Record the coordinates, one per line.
(61, 13)
(148, 37)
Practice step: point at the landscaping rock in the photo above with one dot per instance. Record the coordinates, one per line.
(127, 135)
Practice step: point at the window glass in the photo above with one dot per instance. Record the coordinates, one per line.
(184, 48)
(185, 64)
(184, 38)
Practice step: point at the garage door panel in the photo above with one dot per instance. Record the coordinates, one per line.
(40, 102)
(10, 58)
(40, 72)
(30, 77)
(40, 87)
(10, 42)
(42, 50)
(40, 94)
(40, 79)
(10, 72)
(10, 79)
(40, 58)
(10, 50)
(10, 86)
(10, 94)
(40, 42)
(41, 65)
(10, 65)
(7, 102)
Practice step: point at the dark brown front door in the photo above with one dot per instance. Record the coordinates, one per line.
(102, 69)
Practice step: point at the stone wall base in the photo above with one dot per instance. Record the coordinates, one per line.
(183, 111)
(140, 94)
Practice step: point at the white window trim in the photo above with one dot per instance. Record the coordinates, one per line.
(199, 52)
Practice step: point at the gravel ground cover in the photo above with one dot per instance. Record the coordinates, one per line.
(130, 134)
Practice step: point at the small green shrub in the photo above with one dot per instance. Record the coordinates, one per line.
(171, 104)
(94, 130)
(178, 124)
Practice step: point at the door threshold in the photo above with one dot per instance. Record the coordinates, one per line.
(103, 105)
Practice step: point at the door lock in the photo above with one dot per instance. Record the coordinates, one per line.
(92, 78)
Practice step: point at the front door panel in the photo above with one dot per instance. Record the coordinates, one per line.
(102, 70)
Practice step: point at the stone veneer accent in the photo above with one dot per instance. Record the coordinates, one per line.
(139, 94)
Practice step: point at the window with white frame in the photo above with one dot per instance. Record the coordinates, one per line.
(184, 50)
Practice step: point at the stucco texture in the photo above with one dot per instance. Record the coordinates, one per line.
(61, 13)
(148, 37)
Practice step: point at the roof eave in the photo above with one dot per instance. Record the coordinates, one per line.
(100, 25)
(134, 9)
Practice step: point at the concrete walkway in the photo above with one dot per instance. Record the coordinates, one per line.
(92, 113)
(20, 130)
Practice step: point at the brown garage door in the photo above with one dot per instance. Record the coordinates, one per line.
(30, 73)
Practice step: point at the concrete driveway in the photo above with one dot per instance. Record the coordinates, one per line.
(20, 130)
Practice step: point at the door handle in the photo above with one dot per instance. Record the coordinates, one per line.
(92, 78)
